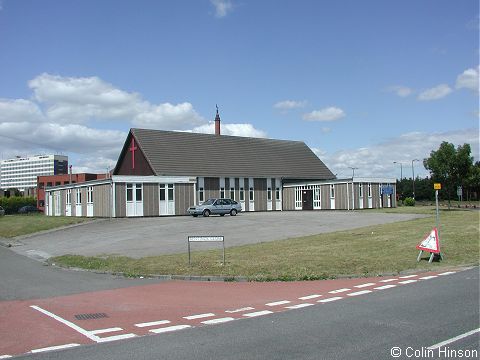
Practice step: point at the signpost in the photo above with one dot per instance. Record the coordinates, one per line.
(200, 239)
(460, 193)
(432, 242)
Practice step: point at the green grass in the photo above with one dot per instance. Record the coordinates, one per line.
(365, 251)
(16, 225)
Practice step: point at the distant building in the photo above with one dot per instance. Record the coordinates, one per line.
(48, 181)
(21, 172)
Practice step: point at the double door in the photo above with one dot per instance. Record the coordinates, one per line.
(167, 199)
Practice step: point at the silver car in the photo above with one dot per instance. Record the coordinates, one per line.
(215, 207)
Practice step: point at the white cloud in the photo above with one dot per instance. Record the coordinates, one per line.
(222, 7)
(377, 160)
(246, 130)
(80, 100)
(289, 104)
(65, 113)
(468, 80)
(435, 93)
(326, 114)
(400, 90)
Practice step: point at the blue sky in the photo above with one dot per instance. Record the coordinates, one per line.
(363, 83)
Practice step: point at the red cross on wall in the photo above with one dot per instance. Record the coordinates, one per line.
(132, 149)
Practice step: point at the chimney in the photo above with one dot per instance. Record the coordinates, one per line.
(217, 123)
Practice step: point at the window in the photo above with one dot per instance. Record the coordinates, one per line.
(251, 194)
(69, 196)
(129, 192)
(170, 192)
(222, 192)
(369, 190)
(79, 197)
(360, 191)
(232, 193)
(269, 194)
(90, 195)
(277, 193)
(49, 184)
(138, 192)
(201, 196)
(242, 194)
(332, 191)
(162, 192)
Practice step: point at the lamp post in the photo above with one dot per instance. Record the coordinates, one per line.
(353, 171)
(401, 169)
(413, 178)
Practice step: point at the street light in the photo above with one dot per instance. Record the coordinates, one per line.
(401, 169)
(413, 178)
(353, 171)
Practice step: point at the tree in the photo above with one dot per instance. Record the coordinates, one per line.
(449, 166)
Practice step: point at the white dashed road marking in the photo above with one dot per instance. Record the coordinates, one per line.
(447, 273)
(387, 280)
(170, 328)
(239, 310)
(199, 316)
(385, 287)
(51, 348)
(359, 293)
(339, 291)
(299, 306)
(364, 285)
(330, 299)
(309, 297)
(103, 331)
(218, 321)
(428, 277)
(407, 282)
(276, 303)
(407, 276)
(258, 313)
(152, 323)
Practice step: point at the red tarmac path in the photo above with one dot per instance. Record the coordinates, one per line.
(167, 306)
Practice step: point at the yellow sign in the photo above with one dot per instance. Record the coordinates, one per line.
(437, 186)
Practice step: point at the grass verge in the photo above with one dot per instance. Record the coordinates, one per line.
(16, 225)
(366, 251)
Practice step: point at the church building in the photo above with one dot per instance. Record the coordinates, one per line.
(162, 173)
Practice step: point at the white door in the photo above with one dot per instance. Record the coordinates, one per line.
(167, 199)
(58, 209)
(90, 201)
(269, 199)
(278, 199)
(242, 198)
(49, 204)
(134, 199)
(332, 197)
(68, 206)
(78, 202)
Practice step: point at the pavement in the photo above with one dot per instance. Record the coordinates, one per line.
(139, 237)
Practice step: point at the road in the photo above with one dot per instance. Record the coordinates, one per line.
(365, 321)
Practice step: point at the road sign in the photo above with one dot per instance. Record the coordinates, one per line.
(203, 239)
(437, 186)
(459, 191)
(430, 243)
(387, 190)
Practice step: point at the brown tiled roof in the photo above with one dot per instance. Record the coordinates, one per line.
(191, 154)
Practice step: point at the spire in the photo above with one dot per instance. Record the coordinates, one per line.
(217, 122)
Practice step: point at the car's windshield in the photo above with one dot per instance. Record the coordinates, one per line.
(208, 202)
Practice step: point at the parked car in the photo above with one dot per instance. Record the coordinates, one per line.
(215, 207)
(2, 211)
(28, 209)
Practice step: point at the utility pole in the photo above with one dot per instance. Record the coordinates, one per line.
(413, 178)
(353, 171)
(401, 169)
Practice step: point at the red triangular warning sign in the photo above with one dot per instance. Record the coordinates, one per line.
(430, 243)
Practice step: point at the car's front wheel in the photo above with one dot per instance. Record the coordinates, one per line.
(233, 212)
(206, 213)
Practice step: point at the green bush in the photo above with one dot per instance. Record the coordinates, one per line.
(13, 203)
(409, 201)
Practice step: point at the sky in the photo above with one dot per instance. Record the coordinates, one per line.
(363, 83)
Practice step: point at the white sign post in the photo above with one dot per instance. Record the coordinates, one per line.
(206, 239)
